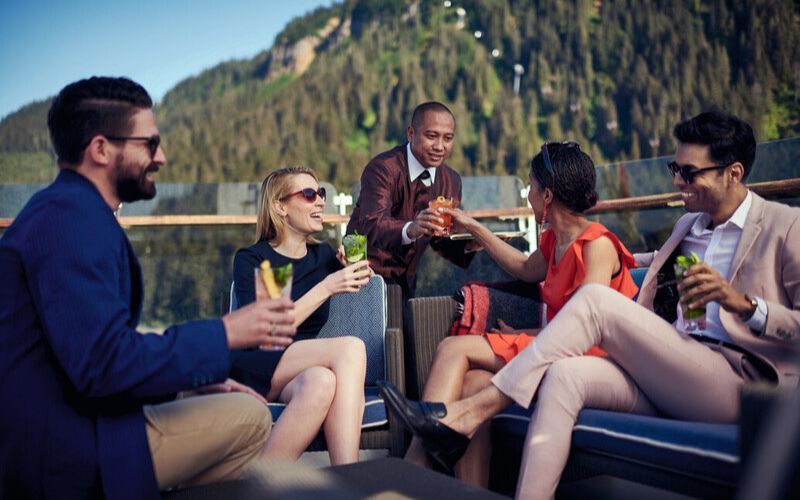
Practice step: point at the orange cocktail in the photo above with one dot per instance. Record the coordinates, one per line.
(442, 202)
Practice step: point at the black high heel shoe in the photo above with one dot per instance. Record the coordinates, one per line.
(444, 445)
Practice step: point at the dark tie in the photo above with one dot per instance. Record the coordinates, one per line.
(422, 193)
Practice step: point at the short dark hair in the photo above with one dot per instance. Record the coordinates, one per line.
(428, 107)
(575, 176)
(729, 139)
(90, 107)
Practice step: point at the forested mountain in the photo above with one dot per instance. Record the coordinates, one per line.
(338, 85)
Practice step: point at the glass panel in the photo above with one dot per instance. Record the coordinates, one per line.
(188, 269)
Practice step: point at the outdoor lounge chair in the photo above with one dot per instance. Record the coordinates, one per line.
(374, 315)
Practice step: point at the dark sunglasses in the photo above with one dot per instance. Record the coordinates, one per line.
(546, 156)
(152, 142)
(309, 194)
(689, 171)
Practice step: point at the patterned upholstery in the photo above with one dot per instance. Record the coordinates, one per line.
(374, 315)
(362, 315)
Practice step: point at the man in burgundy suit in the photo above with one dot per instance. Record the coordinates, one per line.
(392, 210)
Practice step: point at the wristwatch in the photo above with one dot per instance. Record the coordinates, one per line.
(753, 307)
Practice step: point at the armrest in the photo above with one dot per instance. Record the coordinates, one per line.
(770, 441)
(396, 374)
(395, 370)
(431, 319)
(394, 306)
(757, 401)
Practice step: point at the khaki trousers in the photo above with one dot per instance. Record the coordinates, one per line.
(651, 367)
(205, 439)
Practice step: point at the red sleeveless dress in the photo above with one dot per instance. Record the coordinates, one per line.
(562, 280)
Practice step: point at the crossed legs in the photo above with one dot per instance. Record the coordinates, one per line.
(678, 376)
(322, 382)
(462, 366)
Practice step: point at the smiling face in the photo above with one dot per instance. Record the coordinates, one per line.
(302, 216)
(432, 140)
(134, 167)
(710, 190)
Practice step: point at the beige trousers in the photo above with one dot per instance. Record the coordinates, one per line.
(204, 439)
(651, 367)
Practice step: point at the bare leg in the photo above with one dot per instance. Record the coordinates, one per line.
(473, 468)
(346, 358)
(455, 356)
(308, 397)
(343, 425)
(678, 374)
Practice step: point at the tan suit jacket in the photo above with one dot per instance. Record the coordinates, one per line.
(767, 265)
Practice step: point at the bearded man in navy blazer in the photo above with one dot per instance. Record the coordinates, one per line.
(89, 406)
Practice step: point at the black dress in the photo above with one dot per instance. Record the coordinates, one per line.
(255, 367)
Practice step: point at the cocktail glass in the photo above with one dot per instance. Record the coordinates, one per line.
(282, 276)
(442, 202)
(261, 288)
(355, 247)
(693, 319)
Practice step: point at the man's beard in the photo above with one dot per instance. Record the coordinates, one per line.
(132, 185)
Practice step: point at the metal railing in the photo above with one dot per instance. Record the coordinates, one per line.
(768, 189)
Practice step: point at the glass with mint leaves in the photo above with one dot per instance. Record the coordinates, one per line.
(355, 247)
(693, 319)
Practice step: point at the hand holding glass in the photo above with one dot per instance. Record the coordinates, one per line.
(355, 247)
(442, 202)
(694, 318)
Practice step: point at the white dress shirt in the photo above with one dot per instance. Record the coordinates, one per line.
(717, 248)
(415, 169)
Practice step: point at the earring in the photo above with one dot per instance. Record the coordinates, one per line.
(542, 222)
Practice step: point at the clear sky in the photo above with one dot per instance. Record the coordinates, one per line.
(46, 44)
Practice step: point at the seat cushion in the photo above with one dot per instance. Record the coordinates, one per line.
(709, 450)
(374, 410)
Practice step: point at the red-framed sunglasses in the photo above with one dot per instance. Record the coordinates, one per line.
(308, 194)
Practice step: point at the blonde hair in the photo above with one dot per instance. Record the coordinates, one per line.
(270, 225)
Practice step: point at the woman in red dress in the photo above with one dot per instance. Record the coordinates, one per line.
(573, 251)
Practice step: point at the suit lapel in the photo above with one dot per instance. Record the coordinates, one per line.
(750, 231)
(648, 289)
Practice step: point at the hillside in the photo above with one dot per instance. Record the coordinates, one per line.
(338, 85)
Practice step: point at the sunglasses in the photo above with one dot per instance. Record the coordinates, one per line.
(152, 142)
(546, 156)
(308, 194)
(689, 171)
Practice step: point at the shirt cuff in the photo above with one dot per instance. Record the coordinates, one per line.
(406, 239)
(758, 320)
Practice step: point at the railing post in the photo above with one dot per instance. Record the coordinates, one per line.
(528, 224)
(342, 201)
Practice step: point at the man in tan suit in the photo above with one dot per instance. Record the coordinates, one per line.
(749, 281)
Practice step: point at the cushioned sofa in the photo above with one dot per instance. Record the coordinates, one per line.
(694, 458)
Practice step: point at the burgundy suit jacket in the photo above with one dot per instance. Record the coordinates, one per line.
(386, 204)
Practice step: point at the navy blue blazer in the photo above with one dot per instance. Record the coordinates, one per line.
(74, 372)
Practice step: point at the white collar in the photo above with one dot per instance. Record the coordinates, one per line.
(737, 218)
(415, 168)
